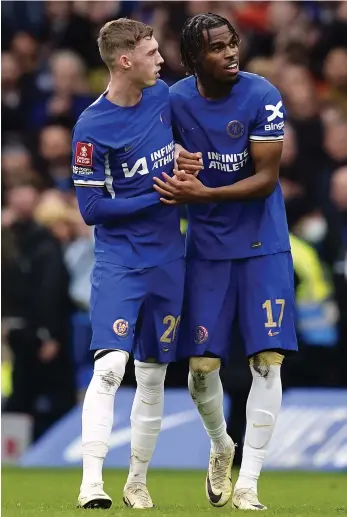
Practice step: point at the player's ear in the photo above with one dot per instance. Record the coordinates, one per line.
(125, 62)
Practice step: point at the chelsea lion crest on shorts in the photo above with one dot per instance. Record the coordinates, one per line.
(121, 328)
(235, 129)
(200, 335)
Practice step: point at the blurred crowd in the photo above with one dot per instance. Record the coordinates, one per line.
(50, 72)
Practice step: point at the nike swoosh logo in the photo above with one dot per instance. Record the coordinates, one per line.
(212, 496)
(127, 502)
(261, 425)
(189, 129)
(270, 333)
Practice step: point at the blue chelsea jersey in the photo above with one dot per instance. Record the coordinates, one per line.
(116, 152)
(222, 131)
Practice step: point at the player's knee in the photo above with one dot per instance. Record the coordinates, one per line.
(203, 365)
(151, 374)
(109, 369)
(199, 369)
(262, 362)
(150, 378)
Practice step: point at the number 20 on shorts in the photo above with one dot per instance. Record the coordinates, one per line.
(170, 332)
(267, 306)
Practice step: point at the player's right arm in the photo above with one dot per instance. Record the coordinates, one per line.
(91, 177)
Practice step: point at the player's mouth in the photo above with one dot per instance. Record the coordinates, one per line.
(232, 68)
(157, 74)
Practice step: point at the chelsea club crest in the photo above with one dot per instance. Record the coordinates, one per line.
(121, 328)
(235, 129)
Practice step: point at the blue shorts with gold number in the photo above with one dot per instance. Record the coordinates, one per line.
(137, 310)
(252, 298)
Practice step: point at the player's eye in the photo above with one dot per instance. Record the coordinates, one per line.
(217, 49)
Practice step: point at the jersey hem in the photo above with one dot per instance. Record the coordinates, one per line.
(139, 266)
(238, 257)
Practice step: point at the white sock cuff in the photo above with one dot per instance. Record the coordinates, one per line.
(150, 374)
(274, 371)
(150, 378)
(141, 364)
(115, 360)
(109, 350)
(211, 374)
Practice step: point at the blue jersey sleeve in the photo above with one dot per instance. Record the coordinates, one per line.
(97, 202)
(95, 208)
(89, 159)
(269, 121)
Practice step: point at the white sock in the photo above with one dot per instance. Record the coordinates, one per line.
(263, 407)
(207, 393)
(146, 416)
(97, 413)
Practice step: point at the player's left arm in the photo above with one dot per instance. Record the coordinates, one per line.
(266, 158)
(266, 142)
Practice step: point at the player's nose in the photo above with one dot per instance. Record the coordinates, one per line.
(230, 52)
(160, 59)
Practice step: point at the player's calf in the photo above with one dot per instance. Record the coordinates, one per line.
(263, 407)
(97, 422)
(206, 390)
(146, 416)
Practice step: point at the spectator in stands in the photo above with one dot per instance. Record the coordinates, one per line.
(17, 167)
(335, 73)
(65, 222)
(296, 182)
(55, 156)
(24, 48)
(36, 307)
(69, 94)
(335, 143)
(13, 106)
(76, 238)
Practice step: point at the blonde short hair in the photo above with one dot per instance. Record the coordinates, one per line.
(122, 34)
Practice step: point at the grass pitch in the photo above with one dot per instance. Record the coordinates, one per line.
(33, 493)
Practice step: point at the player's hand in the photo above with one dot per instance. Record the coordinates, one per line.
(181, 189)
(191, 163)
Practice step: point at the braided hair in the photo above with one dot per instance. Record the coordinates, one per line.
(192, 38)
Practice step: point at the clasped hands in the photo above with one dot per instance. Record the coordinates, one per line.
(184, 187)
